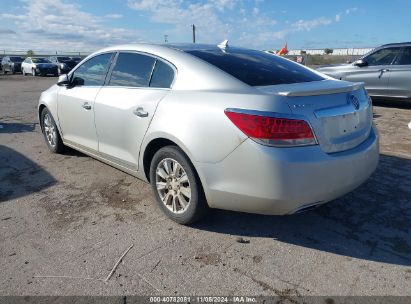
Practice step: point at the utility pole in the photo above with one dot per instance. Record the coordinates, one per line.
(165, 38)
(194, 33)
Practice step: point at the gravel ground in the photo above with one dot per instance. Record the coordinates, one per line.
(71, 215)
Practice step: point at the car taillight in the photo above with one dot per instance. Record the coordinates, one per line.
(273, 131)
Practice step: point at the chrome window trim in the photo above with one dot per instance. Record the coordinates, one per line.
(155, 57)
(151, 74)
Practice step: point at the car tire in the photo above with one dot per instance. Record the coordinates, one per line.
(51, 132)
(168, 186)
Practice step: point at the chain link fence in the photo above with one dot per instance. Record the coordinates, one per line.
(44, 53)
(335, 51)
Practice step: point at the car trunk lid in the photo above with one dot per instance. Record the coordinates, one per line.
(340, 113)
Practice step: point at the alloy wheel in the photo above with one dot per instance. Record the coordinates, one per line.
(50, 130)
(173, 185)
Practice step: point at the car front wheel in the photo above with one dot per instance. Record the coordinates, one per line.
(50, 132)
(176, 186)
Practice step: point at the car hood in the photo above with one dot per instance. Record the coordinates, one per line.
(333, 65)
(336, 67)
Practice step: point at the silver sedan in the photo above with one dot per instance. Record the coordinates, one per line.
(215, 127)
(386, 71)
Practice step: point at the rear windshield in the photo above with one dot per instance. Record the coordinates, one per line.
(17, 59)
(40, 60)
(256, 68)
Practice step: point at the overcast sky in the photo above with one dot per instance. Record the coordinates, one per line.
(86, 25)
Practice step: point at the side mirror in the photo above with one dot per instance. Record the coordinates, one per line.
(63, 80)
(77, 81)
(360, 63)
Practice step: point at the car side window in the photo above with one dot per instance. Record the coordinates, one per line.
(383, 57)
(405, 57)
(93, 71)
(132, 70)
(163, 75)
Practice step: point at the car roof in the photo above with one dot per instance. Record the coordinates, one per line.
(192, 46)
(185, 47)
(187, 66)
(396, 44)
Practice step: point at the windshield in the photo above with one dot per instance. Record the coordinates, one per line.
(40, 60)
(16, 59)
(63, 58)
(256, 68)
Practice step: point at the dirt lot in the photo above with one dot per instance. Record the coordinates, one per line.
(70, 215)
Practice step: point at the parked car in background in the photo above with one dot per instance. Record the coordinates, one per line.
(38, 66)
(234, 128)
(76, 59)
(64, 64)
(11, 64)
(386, 71)
(1, 65)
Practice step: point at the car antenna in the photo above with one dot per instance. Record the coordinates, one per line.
(223, 45)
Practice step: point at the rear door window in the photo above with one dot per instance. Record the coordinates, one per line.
(256, 68)
(163, 75)
(132, 70)
(405, 57)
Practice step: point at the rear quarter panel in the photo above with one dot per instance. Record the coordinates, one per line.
(196, 120)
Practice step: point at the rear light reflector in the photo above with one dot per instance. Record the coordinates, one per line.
(273, 131)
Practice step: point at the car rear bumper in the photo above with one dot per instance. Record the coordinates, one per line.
(47, 71)
(267, 180)
(16, 68)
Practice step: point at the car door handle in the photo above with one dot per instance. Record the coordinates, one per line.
(86, 106)
(140, 112)
(382, 71)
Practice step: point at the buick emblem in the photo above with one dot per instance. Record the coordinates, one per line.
(354, 101)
